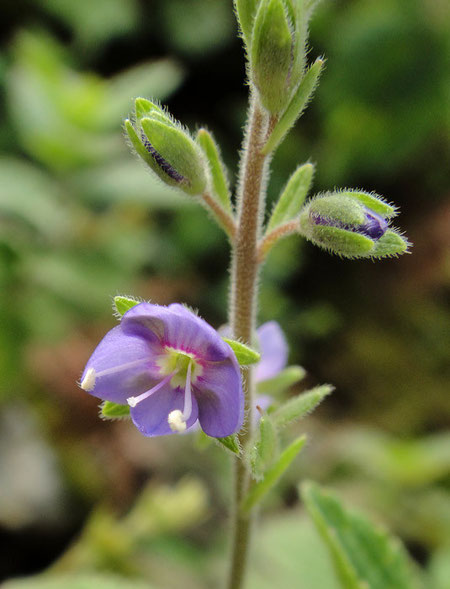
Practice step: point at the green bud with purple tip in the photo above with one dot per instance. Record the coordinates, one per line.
(166, 147)
(352, 224)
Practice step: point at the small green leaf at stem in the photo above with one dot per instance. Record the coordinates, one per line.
(296, 106)
(245, 11)
(261, 488)
(265, 447)
(110, 410)
(244, 354)
(293, 196)
(123, 304)
(217, 168)
(300, 406)
(365, 556)
(282, 381)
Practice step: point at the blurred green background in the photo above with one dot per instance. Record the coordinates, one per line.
(81, 221)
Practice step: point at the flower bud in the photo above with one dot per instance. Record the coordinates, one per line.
(278, 51)
(352, 224)
(271, 55)
(167, 148)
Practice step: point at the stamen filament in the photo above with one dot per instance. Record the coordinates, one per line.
(177, 420)
(133, 401)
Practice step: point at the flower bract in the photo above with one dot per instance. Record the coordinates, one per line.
(172, 368)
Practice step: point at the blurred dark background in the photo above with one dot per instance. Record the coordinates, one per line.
(81, 220)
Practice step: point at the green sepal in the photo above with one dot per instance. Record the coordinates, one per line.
(183, 165)
(301, 405)
(342, 242)
(245, 12)
(110, 410)
(144, 108)
(293, 196)
(365, 556)
(271, 55)
(296, 106)
(265, 447)
(337, 207)
(372, 201)
(262, 487)
(216, 167)
(230, 443)
(244, 354)
(282, 381)
(123, 304)
(391, 243)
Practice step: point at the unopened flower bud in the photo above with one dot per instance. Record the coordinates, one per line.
(166, 147)
(352, 224)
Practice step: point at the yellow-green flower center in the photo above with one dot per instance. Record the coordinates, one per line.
(178, 361)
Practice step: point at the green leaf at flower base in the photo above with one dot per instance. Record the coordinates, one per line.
(261, 488)
(123, 304)
(230, 443)
(293, 196)
(300, 406)
(244, 354)
(365, 556)
(296, 106)
(110, 410)
(282, 381)
(265, 447)
(216, 167)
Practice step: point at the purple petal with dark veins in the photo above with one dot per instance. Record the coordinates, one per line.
(274, 351)
(177, 327)
(135, 354)
(220, 399)
(150, 415)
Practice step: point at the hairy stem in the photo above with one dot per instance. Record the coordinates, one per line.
(243, 307)
(271, 238)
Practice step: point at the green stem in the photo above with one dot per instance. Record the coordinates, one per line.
(243, 307)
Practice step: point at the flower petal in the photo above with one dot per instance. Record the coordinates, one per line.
(151, 415)
(177, 327)
(274, 351)
(129, 365)
(220, 399)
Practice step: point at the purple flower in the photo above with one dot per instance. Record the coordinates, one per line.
(274, 351)
(172, 368)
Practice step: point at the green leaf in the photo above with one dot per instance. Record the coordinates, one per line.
(299, 406)
(123, 304)
(265, 448)
(244, 354)
(296, 106)
(230, 443)
(365, 556)
(292, 197)
(282, 381)
(216, 166)
(110, 410)
(259, 489)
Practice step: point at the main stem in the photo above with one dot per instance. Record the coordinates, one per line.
(243, 306)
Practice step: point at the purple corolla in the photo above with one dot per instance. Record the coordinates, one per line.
(172, 368)
(274, 351)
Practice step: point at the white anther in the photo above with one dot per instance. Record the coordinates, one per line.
(88, 382)
(132, 401)
(176, 421)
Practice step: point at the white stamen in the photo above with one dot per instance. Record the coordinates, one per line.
(121, 367)
(188, 395)
(88, 382)
(133, 401)
(176, 421)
